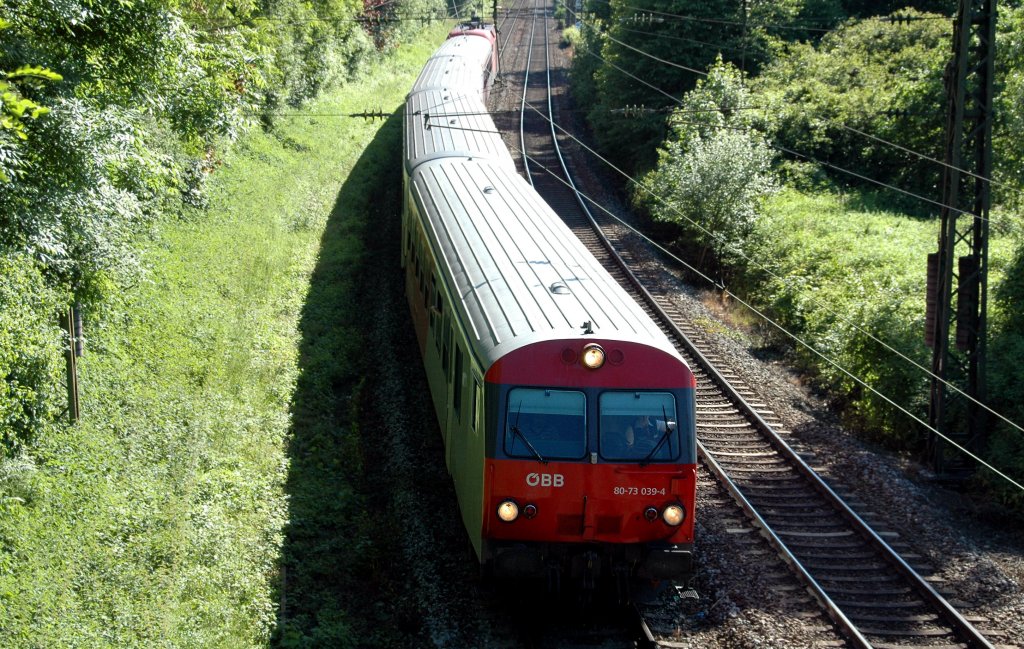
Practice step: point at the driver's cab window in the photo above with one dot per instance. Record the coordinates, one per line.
(638, 426)
(546, 424)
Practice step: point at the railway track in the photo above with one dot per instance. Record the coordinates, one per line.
(866, 581)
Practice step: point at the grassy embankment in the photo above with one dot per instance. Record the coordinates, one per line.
(160, 519)
(851, 266)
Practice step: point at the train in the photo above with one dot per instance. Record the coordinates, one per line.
(568, 417)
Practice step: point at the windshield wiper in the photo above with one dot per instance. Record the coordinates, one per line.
(516, 431)
(661, 440)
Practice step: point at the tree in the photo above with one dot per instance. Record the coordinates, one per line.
(649, 59)
(652, 51)
(15, 108)
(712, 178)
(1008, 130)
(876, 76)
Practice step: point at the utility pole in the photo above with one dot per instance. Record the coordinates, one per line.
(71, 322)
(958, 272)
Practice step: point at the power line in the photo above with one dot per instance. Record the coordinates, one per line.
(651, 56)
(922, 156)
(666, 37)
(772, 144)
(767, 318)
(905, 192)
(898, 18)
(751, 307)
(784, 280)
(756, 311)
(713, 21)
(842, 126)
(365, 19)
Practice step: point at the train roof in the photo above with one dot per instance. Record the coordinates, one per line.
(461, 63)
(443, 123)
(516, 273)
(475, 25)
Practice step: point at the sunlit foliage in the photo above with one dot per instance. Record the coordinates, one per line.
(714, 172)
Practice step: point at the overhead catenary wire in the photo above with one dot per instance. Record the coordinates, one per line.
(785, 149)
(713, 21)
(773, 323)
(842, 126)
(922, 156)
(651, 56)
(661, 36)
(861, 330)
(783, 26)
(758, 312)
(795, 337)
(871, 180)
(785, 281)
(774, 275)
(369, 16)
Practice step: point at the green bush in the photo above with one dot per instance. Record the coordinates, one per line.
(714, 174)
(31, 345)
(1005, 379)
(875, 76)
(571, 36)
(837, 274)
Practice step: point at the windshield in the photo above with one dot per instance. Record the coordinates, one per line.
(639, 426)
(545, 424)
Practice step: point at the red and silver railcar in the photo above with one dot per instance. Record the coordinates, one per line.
(567, 415)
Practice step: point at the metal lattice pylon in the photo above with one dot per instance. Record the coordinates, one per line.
(958, 273)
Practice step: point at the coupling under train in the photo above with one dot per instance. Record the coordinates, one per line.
(567, 415)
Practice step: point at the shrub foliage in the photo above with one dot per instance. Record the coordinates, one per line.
(113, 116)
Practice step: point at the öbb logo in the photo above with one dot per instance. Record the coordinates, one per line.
(545, 479)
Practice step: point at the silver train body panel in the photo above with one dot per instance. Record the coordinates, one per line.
(515, 273)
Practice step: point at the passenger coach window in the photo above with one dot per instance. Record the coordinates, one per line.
(638, 426)
(478, 397)
(457, 384)
(546, 424)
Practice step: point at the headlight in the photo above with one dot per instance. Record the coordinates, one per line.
(651, 514)
(673, 515)
(593, 356)
(508, 511)
(530, 511)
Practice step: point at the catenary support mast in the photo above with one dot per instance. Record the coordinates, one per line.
(958, 272)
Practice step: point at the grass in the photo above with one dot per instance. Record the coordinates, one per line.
(840, 267)
(161, 519)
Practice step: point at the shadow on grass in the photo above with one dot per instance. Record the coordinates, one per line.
(330, 592)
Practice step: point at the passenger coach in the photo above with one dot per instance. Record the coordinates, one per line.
(567, 415)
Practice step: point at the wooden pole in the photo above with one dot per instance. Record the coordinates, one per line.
(68, 324)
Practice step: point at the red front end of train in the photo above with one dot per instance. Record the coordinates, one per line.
(564, 488)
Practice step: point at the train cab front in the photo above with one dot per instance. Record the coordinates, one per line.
(593, 479)
(631, 523)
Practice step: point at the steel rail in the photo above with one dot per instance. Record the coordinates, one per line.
(498, 30)
(846, 626)
(522, 105)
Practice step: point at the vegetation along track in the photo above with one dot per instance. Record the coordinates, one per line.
(874, 596)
